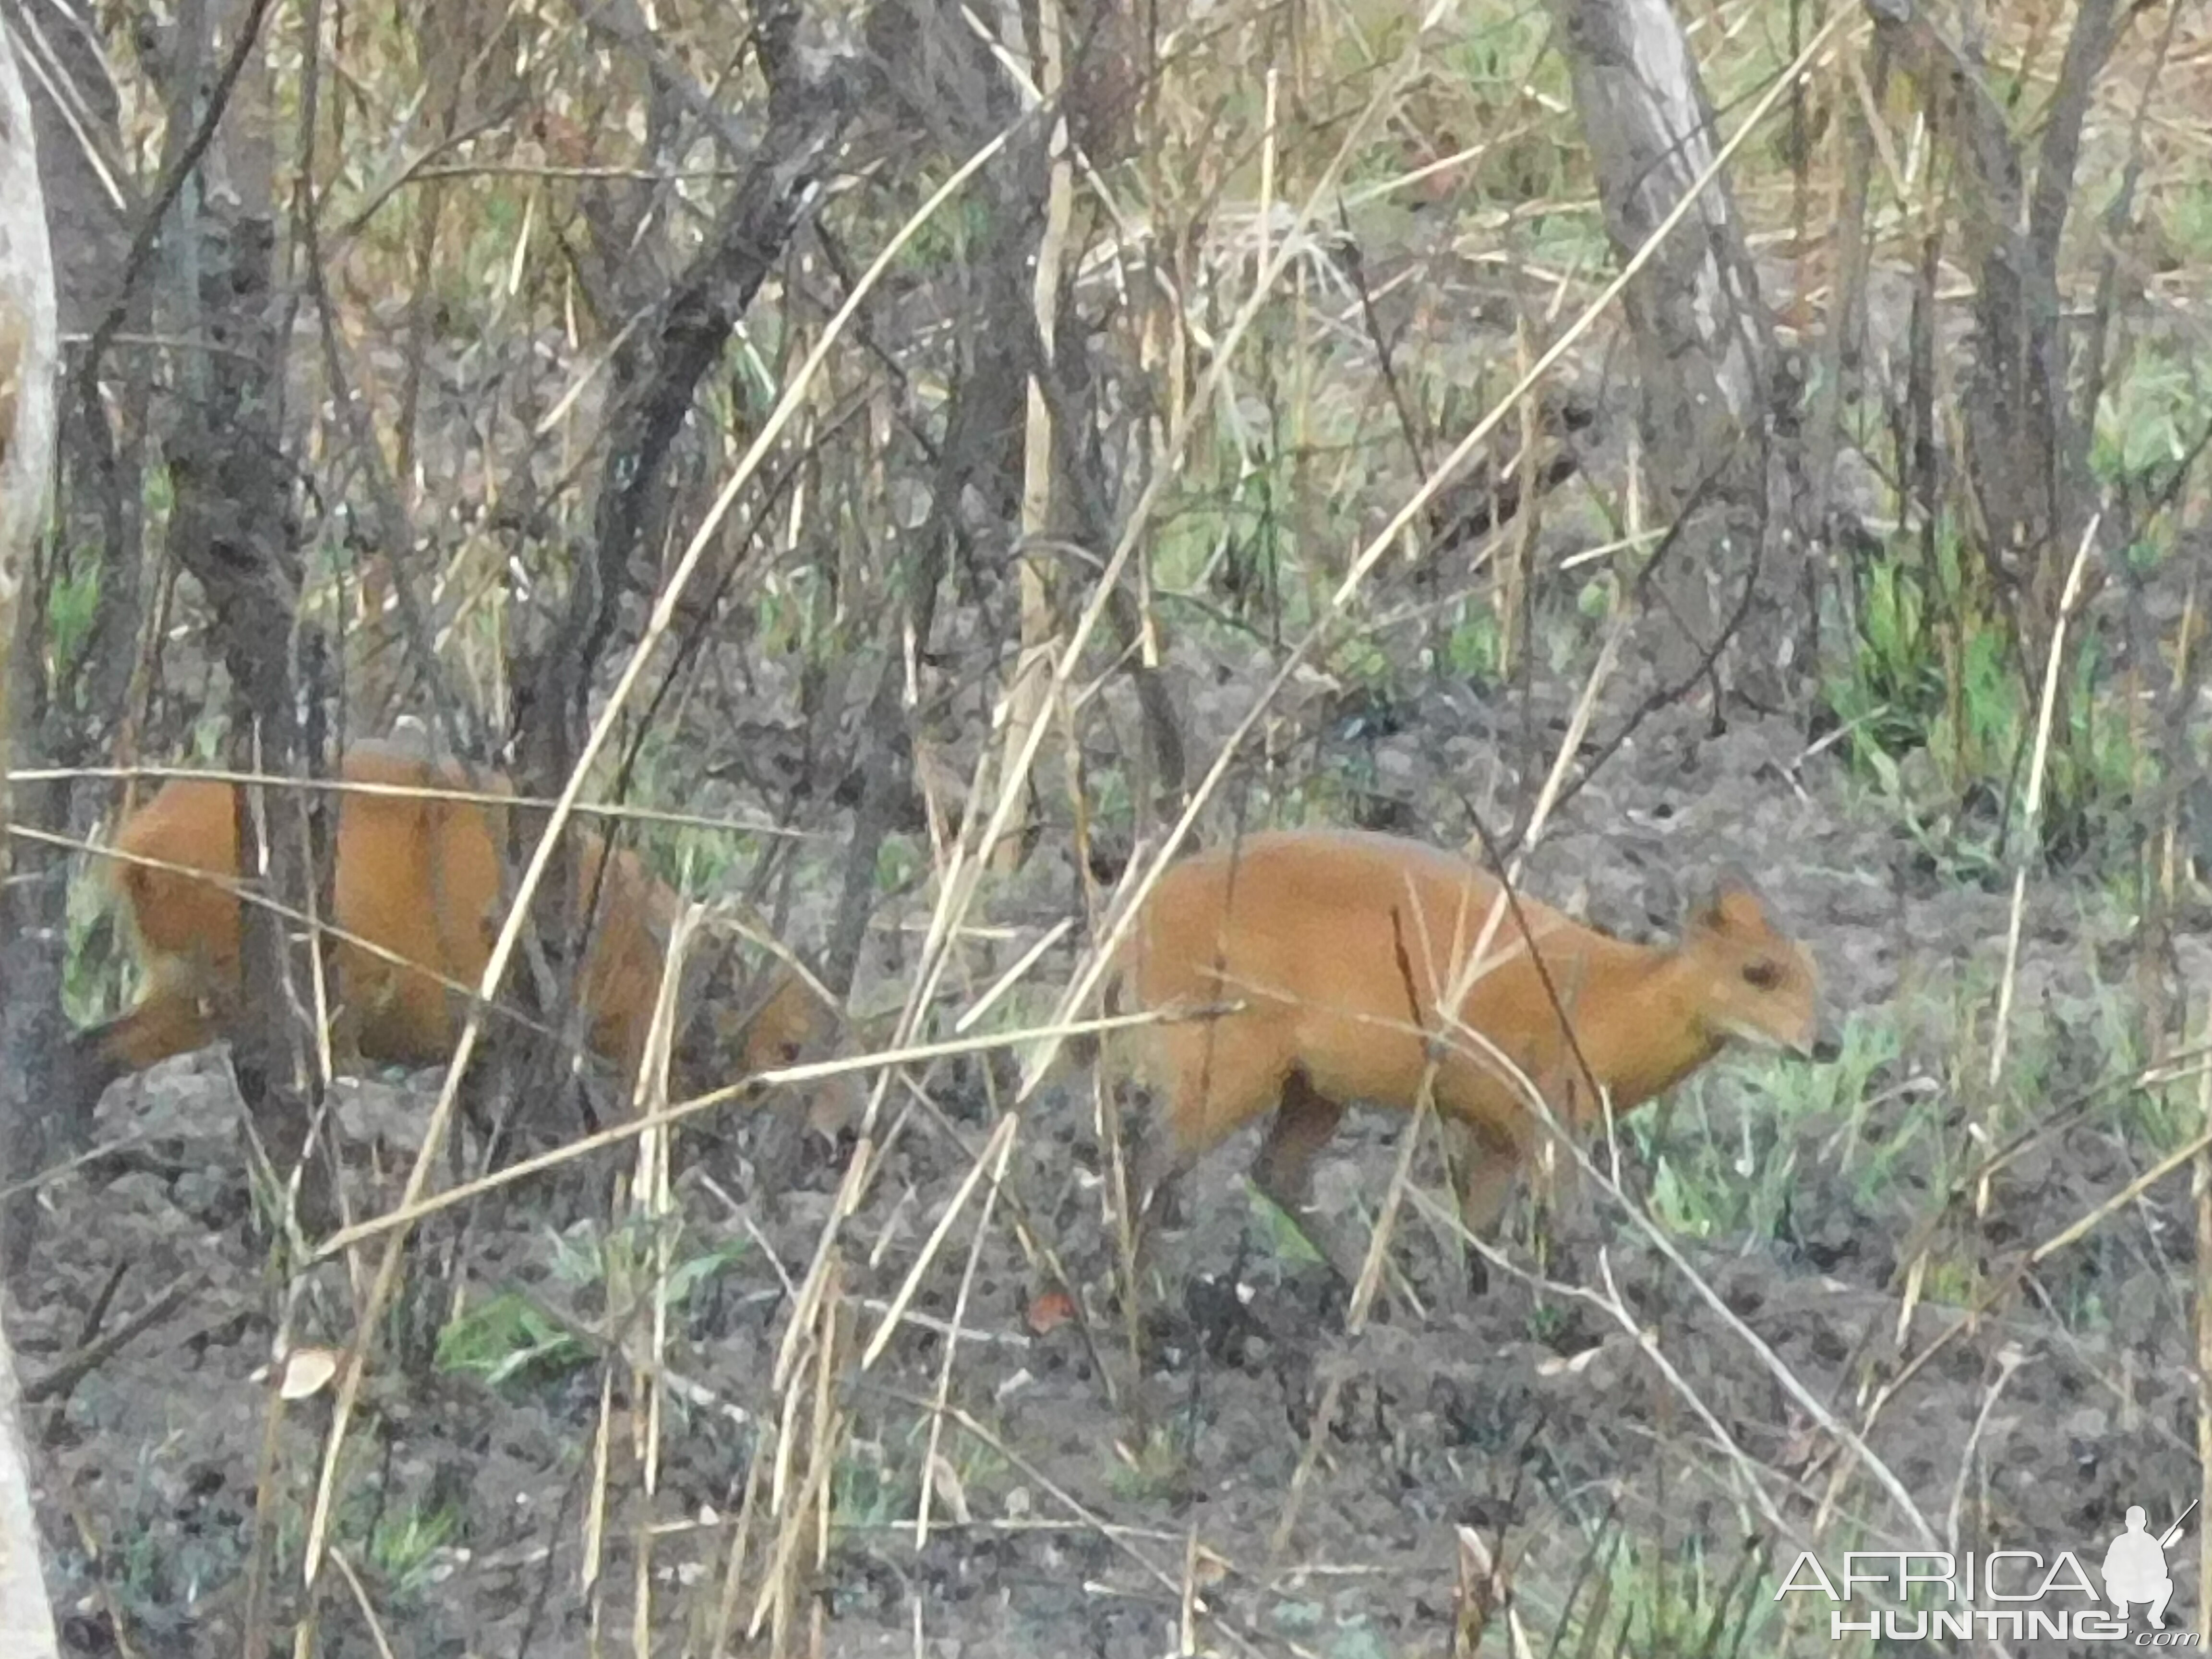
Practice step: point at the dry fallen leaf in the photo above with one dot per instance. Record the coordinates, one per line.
(308, 1371)
(1050, 1311)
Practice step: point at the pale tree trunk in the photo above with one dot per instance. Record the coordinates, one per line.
(1724, 589)
(27, 1623)
(28, 347)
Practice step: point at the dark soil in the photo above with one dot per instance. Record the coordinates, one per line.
(1528, 1414)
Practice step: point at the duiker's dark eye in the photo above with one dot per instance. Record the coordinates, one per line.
(1762, 975)
(790, 1051)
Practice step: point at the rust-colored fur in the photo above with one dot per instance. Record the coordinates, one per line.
(1339, 946)
(419, 878)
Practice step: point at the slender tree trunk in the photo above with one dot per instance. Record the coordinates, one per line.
(29, 349)
(234, 528)
(30, 954)
(1724, 588)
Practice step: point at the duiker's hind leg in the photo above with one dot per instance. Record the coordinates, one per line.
(1490, 1170)
(1489, 1161)
(1303, 1123)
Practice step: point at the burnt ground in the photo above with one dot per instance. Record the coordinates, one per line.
(1798, 1196)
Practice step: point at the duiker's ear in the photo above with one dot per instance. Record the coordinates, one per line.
(1728, 899)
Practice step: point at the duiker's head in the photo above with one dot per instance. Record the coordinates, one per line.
(741, 1025)
(1756, 984)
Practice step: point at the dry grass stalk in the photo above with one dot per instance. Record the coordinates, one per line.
(810, 1441)
(663, 615)
(652, 1210)
(1362, 565)
(932, 1459)
(369, 1617)
(1035, 688)
(1470, 965)
(959, 873)
(1085, 985)
(1486, 1584)
(2032, 807)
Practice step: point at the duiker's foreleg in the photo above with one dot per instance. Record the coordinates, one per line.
(1305, 1122)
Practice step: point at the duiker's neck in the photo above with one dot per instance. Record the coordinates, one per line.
(1638, 1018)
